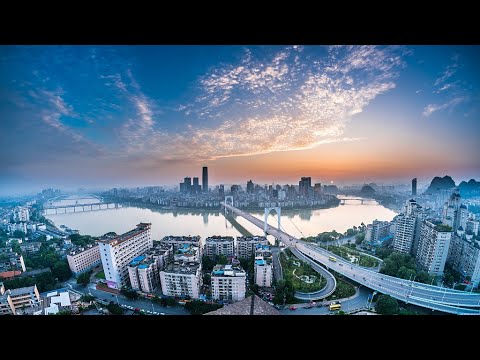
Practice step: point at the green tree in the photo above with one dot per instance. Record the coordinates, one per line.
(222, 259)
(197, 307)
(207, 279)
(64, 312)
(171, 301)
(86, 298)
(359, 238)
(84, 278)
(61, 270)
(129, 293)
(115, 309)
(386, 305)
(207, 263)
(19, 234)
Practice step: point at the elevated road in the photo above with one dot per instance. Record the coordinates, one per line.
(331, 282)
(429, 296)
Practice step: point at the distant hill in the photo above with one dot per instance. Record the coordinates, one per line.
(469, 189)
(367, 190)
(439, 183)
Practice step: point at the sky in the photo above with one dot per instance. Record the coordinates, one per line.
(113, 116)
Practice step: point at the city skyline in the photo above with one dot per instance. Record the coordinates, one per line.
(100, 116)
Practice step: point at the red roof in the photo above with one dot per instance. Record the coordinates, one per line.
(9, 274)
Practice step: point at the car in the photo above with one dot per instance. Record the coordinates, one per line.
(340, 264)
(293, 308)
(136, 309)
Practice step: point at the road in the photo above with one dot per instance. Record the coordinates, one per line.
(409, 291)
(143, 304)
(348, 305)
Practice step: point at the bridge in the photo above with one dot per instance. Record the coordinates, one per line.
(428, 296)
(362, 200)
(79, 208)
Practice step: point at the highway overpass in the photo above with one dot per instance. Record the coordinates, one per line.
(428, 296)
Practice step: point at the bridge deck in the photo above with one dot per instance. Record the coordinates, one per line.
(428, 296)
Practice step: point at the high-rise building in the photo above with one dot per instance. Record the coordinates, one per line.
(188, 184)
(377, 231)
(221, 190)
(228, 282)
(433, 246)
(179, 241)
(117, 252)
(182, 187)
(21, 213)
(205, 179)
(181, 279)
(304, 186)
(404, 232)
(219, 245)
(83, 258)
(196, 187)
(470, 261)
(414, 187)
(246, 245)
(455, 214)
(143, 273)
(263, 271)
(408, 228)
(13, 300)
(250, 187)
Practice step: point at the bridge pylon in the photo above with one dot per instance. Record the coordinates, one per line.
(278, 210)
(228, 197)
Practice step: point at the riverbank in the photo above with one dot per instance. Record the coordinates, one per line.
(216, 210)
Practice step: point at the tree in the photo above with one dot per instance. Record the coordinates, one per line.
(86, 298)
(129, 293)
(19, 234)
(84, 278)
(207, 263)
(222, 259)
(386, 305)
(61, 270)
(197, 307)
(254, 287)
(359, 238)
(115, 309)
(64, 312)
(171, 301)
(207, 279)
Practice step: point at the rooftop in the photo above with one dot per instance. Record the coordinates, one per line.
(180, 267)
(228, 270)
(251, 238)
(79, 249)
(116, 240)
(181, 238)
(219, 238)
(252, 305)
(22, 291)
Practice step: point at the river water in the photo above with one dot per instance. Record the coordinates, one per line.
(298, 223)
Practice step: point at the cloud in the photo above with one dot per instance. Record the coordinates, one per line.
(450, 70)
(289, 101)
(431, 108)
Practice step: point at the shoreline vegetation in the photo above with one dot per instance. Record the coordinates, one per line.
(215, 209)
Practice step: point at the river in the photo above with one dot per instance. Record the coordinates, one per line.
(298, 223)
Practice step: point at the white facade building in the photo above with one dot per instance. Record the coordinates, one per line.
(118, 251)
(228, 283)
(181, 279)
(21, 213)
(219, 245)
(143, 273)
(433, 247)
(81, 259)
(246, 245)
(376, 231)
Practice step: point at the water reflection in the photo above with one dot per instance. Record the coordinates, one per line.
(212, 222)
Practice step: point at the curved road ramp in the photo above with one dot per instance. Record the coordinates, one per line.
(424, 295)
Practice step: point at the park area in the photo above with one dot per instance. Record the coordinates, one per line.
(300, 274)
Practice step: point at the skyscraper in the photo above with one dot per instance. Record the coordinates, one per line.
(304, 186)
(196, 186)
(205, 179)
(250, 187)
(414, 187)
(188, 184)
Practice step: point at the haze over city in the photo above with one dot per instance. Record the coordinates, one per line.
(151, 115)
